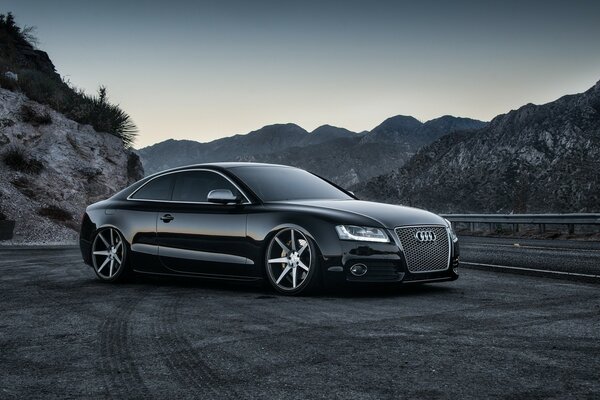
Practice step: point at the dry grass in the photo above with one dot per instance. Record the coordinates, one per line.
(30, 115)
(16, 157)
(55, 213)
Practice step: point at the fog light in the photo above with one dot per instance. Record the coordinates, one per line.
(358, 269)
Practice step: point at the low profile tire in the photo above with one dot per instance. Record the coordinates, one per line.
(291, 263)
(109, 256)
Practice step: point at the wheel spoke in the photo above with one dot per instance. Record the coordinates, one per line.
(294, 277)
(278, 260)
(103, 240)
(110, 271)
(101, 253)
(302, 249)
(103, 264)
(119, 244)
(285, 271)
(112, 238)
(283, 246)
(301, 265)
(117, 259)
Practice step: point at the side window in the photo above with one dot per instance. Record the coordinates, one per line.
(194, 186)
(157, 189)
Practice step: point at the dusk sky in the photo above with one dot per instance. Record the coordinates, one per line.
(207, 69)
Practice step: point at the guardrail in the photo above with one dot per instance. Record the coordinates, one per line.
(570, 220)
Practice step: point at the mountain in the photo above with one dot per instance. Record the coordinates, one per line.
(398, 129)
(338, 154)
(538, 158)
(325, 133)
(173, 153)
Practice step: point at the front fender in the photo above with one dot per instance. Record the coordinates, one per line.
(262, 226)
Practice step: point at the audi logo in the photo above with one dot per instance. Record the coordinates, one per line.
(425, 236)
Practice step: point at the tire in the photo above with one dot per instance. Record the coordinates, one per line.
(292, 263)
(110, 256)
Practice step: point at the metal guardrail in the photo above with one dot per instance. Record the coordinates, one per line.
(570, 220)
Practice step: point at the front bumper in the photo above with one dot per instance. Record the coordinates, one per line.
(385, 263)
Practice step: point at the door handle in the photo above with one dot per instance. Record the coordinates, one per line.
(167, 218)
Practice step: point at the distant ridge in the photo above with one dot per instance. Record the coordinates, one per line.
(336, 153)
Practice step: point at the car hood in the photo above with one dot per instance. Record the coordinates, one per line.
(388, 215)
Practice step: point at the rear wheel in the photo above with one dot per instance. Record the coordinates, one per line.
(109, 255)
(291, 263)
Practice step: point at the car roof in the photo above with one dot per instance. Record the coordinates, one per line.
(227, 165)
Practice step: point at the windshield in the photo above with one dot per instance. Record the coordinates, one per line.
(273, 183)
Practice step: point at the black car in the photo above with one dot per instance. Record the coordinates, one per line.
(247, 221)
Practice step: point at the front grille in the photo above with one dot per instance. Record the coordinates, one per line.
(425, 256)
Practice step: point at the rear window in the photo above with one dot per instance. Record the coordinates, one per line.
(157, 189)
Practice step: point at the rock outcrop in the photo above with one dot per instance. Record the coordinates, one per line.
(51, 168)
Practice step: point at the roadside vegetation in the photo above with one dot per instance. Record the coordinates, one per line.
(30, 115)
(26, 69)
(56, 213)
(16, 158)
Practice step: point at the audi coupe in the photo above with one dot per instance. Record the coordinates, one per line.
(252, 222)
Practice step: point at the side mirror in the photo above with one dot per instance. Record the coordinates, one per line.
(222, 196)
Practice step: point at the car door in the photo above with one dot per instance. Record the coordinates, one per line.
(142, 211)
(198, 237)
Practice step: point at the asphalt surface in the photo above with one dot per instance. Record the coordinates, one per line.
(63, 334)
(579, 260)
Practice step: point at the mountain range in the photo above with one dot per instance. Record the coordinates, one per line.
(538, 158)
(338, 154)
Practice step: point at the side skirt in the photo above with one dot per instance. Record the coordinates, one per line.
(203, 276)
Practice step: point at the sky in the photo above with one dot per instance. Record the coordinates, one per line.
(202, 70)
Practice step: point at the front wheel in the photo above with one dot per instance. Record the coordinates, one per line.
(291, 263)
(109, 255)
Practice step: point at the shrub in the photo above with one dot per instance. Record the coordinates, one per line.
(55, 213)
(2, 216)
(47, 87)
(104, 116)
(16, 158)
(86, 109)
(31, 115)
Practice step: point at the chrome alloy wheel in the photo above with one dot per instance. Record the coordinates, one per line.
(108, 253)
(290, 260)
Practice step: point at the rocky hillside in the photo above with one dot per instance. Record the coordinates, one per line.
(539, 158)
(338, 154)
(51, 168)
(55, 158)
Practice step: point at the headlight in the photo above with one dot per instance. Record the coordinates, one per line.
(362, 233)
(452, 233)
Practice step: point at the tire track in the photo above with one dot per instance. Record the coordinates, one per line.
(183, 360)
(121, 376)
